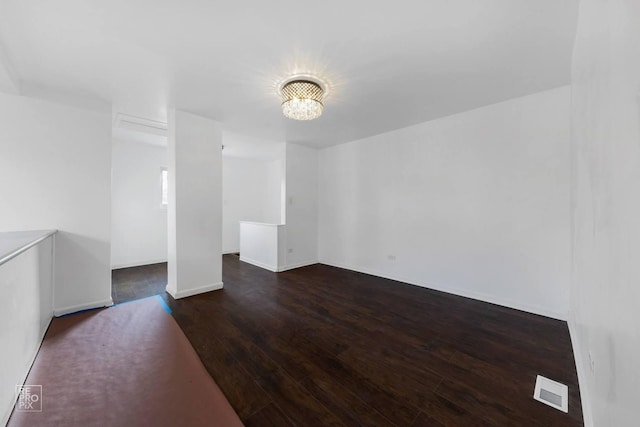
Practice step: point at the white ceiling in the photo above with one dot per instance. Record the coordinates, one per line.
(390, 64)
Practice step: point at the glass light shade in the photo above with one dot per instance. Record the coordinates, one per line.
(302, 100)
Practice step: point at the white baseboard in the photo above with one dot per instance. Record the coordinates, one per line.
(80, 307)
(297, 265)
(266, 266)
(195, 291)
(138, 264)
(585, 399)
(459, 292)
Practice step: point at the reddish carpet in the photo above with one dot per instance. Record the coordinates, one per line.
(128, 365)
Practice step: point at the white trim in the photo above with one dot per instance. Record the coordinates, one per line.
(297, 265)
(541, 311)
(80, 307)
(585, 399)
(138, 264)
(190, 292)
(269, 267)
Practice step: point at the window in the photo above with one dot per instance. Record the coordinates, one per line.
(164, 196)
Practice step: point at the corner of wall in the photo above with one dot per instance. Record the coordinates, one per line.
(61, 311)
(585, 399)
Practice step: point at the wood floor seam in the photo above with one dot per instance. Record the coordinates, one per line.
(270, 402)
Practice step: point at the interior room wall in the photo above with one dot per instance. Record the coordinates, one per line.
(27, 278)
(194, 212)
(474, 204)
(301, 212)
(250, 192)
(55, 166)
(138, 218)
(274, 196)
(605, 318)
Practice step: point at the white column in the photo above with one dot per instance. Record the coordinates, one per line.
(194, 212)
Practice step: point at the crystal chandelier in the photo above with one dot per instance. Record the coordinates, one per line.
(302, 100)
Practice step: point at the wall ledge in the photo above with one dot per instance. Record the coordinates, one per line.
(13, 243)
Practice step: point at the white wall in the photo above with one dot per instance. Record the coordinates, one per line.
(25, 312)
(194, 214)
(301, 214)
(250, 192)
(55, 165)
(9, 81)
(274, 205)
(138, 219)
(475, 204)
(260, 244)
(605, 293)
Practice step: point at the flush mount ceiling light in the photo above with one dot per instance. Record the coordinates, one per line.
(302, 98)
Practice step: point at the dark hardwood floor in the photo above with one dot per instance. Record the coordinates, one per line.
(322, 346)
(133, 283)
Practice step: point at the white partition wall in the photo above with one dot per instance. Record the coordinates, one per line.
(58, 161)
(262, 244)
(194, 213)
(26, 310)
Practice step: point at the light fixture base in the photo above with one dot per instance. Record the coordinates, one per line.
(308, 77)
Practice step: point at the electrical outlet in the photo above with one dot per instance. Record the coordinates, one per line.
(592, 363)
(391, 257)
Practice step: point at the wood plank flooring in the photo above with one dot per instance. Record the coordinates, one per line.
(323, 346)
(128, 284)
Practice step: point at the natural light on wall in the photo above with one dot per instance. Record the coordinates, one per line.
(164, 194)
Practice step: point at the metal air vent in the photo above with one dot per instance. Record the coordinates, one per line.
(551, 393)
